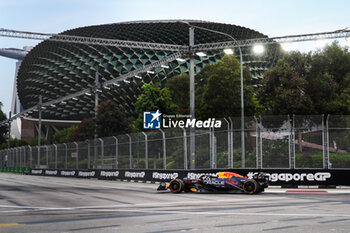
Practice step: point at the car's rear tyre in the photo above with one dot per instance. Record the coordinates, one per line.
(176, 186)
(250, 186)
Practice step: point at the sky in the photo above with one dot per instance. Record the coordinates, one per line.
(270, 17)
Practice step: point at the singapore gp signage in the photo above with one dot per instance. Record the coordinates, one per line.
(165, 176)
(289, 177)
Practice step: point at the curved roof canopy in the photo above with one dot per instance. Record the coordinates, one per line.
(56, 69)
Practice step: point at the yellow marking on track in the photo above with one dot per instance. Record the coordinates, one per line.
(9, 224)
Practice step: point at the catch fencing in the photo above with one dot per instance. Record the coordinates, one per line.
(271, 142)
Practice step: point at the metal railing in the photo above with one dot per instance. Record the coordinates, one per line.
(271, 142)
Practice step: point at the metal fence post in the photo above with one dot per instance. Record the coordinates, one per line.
(25, 156)
(146, 149)
(231, 140)
(211, 160)
(88, 150)
(102, 152)
(291, 149)
(228, 144)
(116, 151)
(30, 157)
(95, 153)
(8, 157)
(16, 157)
(215, 149)
(77, 156)
(326, 161)
(130, 148)
(66, 156)
(55, 155)
(47, 156)
(327, 141)
(20, 156)
(258, 143)
(164, 148)
(185, 149)
(11, 157)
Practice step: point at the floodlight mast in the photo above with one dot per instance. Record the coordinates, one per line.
(192, 88)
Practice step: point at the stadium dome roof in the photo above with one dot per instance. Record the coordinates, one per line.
(56, 69)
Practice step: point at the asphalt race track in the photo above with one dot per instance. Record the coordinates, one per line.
(54, 204)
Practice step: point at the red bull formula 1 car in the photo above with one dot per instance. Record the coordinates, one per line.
(223, 182)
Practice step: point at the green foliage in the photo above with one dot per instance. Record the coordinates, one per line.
(13, 143)
(85, 130)
(309, 84)
(337, 160)
(64, 135)
(179, 89)
(219, 90)
(309, 160)
(34, 141)
(111, 120)
(275, 153)
(340, 160)
(154, 98)
(3, 129)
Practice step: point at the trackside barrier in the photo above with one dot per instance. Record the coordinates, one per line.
(280, 177)
(22, 170)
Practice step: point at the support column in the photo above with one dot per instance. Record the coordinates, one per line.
(192, 100)
(164, 148)
(130, 152)
(55, 155)
(116, 151)
(77, 155)
(146, 149)
(39, 133)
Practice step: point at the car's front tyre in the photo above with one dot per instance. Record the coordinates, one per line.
(250, 186)
(176, 186)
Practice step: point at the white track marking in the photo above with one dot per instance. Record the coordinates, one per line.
(161, 204)
(230, 213)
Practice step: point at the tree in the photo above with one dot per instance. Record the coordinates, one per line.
(34, 141)
(218, 92)
(154, 98)
(3, 129)
(112, 120)
(284, 87)
(314, 83)
(85, 130)
(179, 89)
(308, 84)
(329, 80)
(13, 143)
(64, 135)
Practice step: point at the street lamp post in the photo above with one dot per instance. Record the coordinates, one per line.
(192, 88)
(97, 86)
(9, 131)
(39, 133)
(192, 100)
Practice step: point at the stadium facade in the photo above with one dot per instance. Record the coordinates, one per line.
(56, 69)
